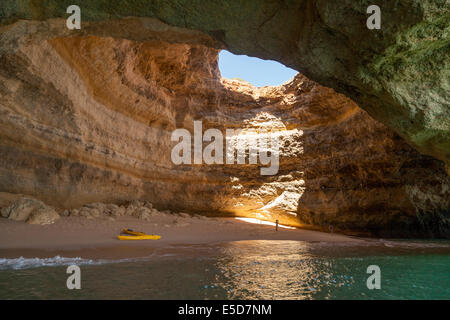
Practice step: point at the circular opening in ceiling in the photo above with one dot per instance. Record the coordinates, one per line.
(256, 71)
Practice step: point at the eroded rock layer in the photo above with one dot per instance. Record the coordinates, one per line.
(398, 73)
(89, 119)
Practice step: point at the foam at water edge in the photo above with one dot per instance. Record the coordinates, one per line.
(26, 263)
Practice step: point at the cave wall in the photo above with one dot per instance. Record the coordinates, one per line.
(398, 74)
(88, 118)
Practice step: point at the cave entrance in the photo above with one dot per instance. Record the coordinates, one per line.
(253, 70)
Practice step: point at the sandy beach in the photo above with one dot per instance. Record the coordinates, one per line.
(97, 238)
(205, 258)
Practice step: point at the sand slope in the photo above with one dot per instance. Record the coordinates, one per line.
(96, 237)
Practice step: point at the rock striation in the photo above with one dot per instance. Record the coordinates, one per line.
(88, 118)
(398, 74)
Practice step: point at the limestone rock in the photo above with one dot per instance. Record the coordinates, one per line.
(184, 215)
(65, 213)
(100, 207)
(119, 211)
(148, 205)
(30, 210)
(6, 198)
(95, 213)
(85, 212)
(111, 208)
(142, 213)
(21, 209)
(43, 216)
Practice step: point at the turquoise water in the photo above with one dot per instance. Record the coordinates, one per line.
(242, 270)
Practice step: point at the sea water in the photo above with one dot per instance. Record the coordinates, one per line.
(242, 270)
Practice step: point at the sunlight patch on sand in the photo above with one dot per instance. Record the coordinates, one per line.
(256, 221)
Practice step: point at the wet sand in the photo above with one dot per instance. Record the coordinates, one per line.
(97, 238)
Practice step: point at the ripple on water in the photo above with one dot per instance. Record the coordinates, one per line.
(241, 270)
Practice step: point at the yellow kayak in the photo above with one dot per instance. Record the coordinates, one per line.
(134, 235)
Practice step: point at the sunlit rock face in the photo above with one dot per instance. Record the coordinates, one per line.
(399, 73)
(89, 118)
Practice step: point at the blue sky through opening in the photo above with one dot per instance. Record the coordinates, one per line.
(256, 71)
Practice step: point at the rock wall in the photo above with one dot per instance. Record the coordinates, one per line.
(399, 74)
(89, 119)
